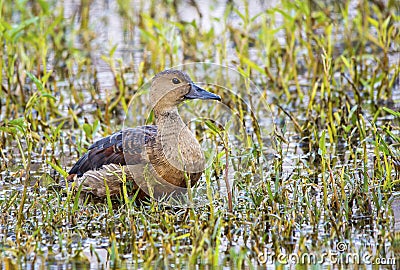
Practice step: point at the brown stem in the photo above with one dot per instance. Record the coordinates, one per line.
(228, 186)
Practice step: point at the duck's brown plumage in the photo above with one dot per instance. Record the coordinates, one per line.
(110, 150)
(169, 147)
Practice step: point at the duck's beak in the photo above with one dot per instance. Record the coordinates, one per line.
(197, 92)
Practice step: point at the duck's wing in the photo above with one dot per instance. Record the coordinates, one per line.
(118, 148)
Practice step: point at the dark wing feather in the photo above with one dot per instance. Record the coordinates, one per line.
(124, 145)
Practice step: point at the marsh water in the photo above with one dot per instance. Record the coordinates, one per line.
(119, 47)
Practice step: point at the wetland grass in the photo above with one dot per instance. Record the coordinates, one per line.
(321, 175)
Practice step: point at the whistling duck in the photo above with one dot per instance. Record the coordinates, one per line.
(169, 150)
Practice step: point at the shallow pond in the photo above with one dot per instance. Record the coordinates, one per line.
(310, 110)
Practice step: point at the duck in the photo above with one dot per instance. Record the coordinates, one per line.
(167, 152)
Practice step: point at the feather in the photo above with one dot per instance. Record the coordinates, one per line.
(126, 145)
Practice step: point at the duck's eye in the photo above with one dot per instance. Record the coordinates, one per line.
(176, 80)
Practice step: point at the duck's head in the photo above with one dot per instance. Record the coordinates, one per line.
(171, 87)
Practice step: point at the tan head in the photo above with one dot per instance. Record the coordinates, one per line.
(171, 87)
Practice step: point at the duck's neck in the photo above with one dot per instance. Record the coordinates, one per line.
(163, 118)
(179, 147)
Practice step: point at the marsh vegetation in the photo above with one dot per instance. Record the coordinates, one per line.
(318, 158)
